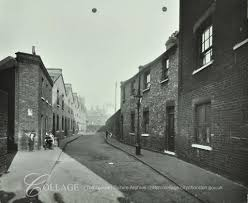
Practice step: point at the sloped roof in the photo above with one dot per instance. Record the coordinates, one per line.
(8, 62)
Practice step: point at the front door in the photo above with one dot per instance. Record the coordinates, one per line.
(171, 129)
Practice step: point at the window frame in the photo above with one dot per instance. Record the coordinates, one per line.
(165, 69)
(132, 88)
(146, 121)
(207, 23)
(132, 115)
(147, 84)
(202, 125)
(209, 39)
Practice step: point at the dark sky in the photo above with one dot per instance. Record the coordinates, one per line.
(94, 49)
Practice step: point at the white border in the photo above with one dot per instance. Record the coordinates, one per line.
(202, 147)
(240, 44)
(203, 67)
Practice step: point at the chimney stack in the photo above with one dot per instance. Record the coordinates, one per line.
(33, 50)
(172, 40)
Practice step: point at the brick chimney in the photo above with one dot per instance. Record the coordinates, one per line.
(172, 40)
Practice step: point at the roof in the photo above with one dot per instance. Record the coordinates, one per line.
(20, 56)
(150, 64)
(8, 62)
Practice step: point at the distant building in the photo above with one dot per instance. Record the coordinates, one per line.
(158, 111)
(26, 102)
(96, 117)
(213, 81)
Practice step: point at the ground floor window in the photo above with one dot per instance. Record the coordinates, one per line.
(203, 123)
(146, 121)
(57, 122)
(132, 122)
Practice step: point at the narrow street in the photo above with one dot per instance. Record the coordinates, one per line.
(125, 172)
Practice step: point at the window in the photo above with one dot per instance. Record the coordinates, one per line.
(165, 67)
(207, 45)
(132, 121)
(62, 123)
(63, 103)
(146, 121)
(42, 83)
(133, 87)
(147, 80)
(123, 94)
(202, 123)
(57, 97)
(57, 122)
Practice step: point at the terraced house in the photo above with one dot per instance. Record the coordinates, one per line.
(25, 103)
(158, 112)
(213, 81)
(68, 110)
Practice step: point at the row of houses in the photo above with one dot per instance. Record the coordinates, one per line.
(194, 101)
(35, 100)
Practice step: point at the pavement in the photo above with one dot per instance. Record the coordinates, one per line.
(203, 184)
(55, 176)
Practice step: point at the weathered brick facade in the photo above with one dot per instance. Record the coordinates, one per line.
(156, 99)
(3, 129)
(222, 83)
(33, 99)
(69, 115)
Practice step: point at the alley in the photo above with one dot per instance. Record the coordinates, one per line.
(125, 172)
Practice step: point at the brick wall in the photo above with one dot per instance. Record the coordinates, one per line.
(3, 129)
(224, 83)
(29, 104)
(113, 124)
(157, 99)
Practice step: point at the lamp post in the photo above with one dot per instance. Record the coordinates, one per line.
(138, 102)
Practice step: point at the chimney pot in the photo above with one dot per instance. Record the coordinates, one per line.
(33, 50)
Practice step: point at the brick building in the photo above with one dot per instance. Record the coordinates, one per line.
(158, 112)
(68, 110)
(25, 90)
(213, 81)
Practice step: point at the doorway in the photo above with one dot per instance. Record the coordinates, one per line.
(170, 129)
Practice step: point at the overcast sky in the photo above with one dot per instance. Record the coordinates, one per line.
(93, 49)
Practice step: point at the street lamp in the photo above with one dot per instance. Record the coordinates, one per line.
(138, 102)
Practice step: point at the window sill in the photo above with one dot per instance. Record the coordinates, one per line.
(203, 67)
(42, 98)
(47, 101)
(132, 134)
(163, 81)
(198, 146)
(169, 152)
(146, 90)
(145, 135)
(240, 44)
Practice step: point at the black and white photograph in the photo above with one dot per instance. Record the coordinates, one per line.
(124, 101)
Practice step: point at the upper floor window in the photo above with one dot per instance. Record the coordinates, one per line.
(133, 87)
(123, 94)
(203, 123)
(42, 84)
(147, 80)
(57, 97)
(207, 45)
(63, 102)
(165, 67)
